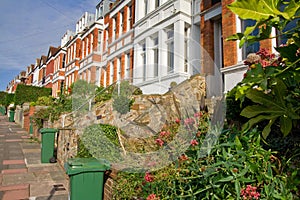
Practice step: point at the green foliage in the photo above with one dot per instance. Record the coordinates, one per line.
(82, 93)
(122, 104)
(2, 97)
(25, 93)
(101, 141)
(269, 95)
(9, 98)
(82, 152)
(264, 12)
(103, 94)
(122, 97)
(45, 101)
(61, 105)
(237, 160)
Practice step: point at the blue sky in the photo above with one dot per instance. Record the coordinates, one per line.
(29, 27)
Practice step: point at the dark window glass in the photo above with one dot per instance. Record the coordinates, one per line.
(252, 48)
(213, 2)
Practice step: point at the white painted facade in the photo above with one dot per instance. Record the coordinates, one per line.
(163, 44)
(35, 81)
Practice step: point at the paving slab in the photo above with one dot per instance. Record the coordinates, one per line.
(16, 195)
(23, 176)
(13, 162)
(48, 189)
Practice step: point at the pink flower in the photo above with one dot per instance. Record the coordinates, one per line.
(149, 177)
(152, 197)
(198, 114)
(164, 134)
(250, 193)
(177, 121)
(159, 141)
(194, 142)
(189, 121)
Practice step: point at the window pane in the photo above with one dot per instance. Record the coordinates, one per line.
(252, 48)
(155, 62)
(171, 57)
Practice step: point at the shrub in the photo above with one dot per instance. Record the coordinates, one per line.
(2, 97)
(237, 162)
(271, 84)
(122, 96)
(26, 93)
(53, 111)
(9, 98)
(100, 141)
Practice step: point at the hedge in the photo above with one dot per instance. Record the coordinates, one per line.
(2, 97)
(9, 98)
(26, 93)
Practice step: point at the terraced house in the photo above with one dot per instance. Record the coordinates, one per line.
(216, 24)
(151, 43)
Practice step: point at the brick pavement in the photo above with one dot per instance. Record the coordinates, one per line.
(22, 175)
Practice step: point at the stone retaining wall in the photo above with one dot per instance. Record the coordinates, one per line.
(67, 145)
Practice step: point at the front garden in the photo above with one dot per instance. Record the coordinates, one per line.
(254, 154)
(257, 155)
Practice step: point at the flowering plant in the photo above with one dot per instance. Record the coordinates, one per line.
(269, 94)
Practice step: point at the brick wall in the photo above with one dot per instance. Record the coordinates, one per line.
(108, 187)
(108, 68)
(228, 28)
(207, 42)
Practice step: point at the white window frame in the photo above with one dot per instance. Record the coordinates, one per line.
(170, 50)
(155, 50)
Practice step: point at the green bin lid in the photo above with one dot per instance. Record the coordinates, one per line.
(80, 165)
(48, 130)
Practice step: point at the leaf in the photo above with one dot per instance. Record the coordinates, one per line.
(288, 52)
(235, 37)
(252, 111)
(285, 125)
(249, 9)
(267, 128)
(249, 30)
(262, 98)
(246, 180)
(255, 120)
(238, 143)
(227, 179)
(237, 187)
(291, 8)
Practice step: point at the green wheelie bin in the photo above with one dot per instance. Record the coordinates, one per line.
(11, 116)
(48, 144)
(86, 178)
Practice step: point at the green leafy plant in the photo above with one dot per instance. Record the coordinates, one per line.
(267, 14)
(82, 95)
(82, 151)
(2, 97)
(61, 105)
(237, 162)
(26, 93)
(9, 99)
(101, 141)
(122, 100)
(271, 85)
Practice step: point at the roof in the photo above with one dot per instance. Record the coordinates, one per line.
(52, 51)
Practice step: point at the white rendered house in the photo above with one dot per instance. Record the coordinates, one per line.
(163, 37)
